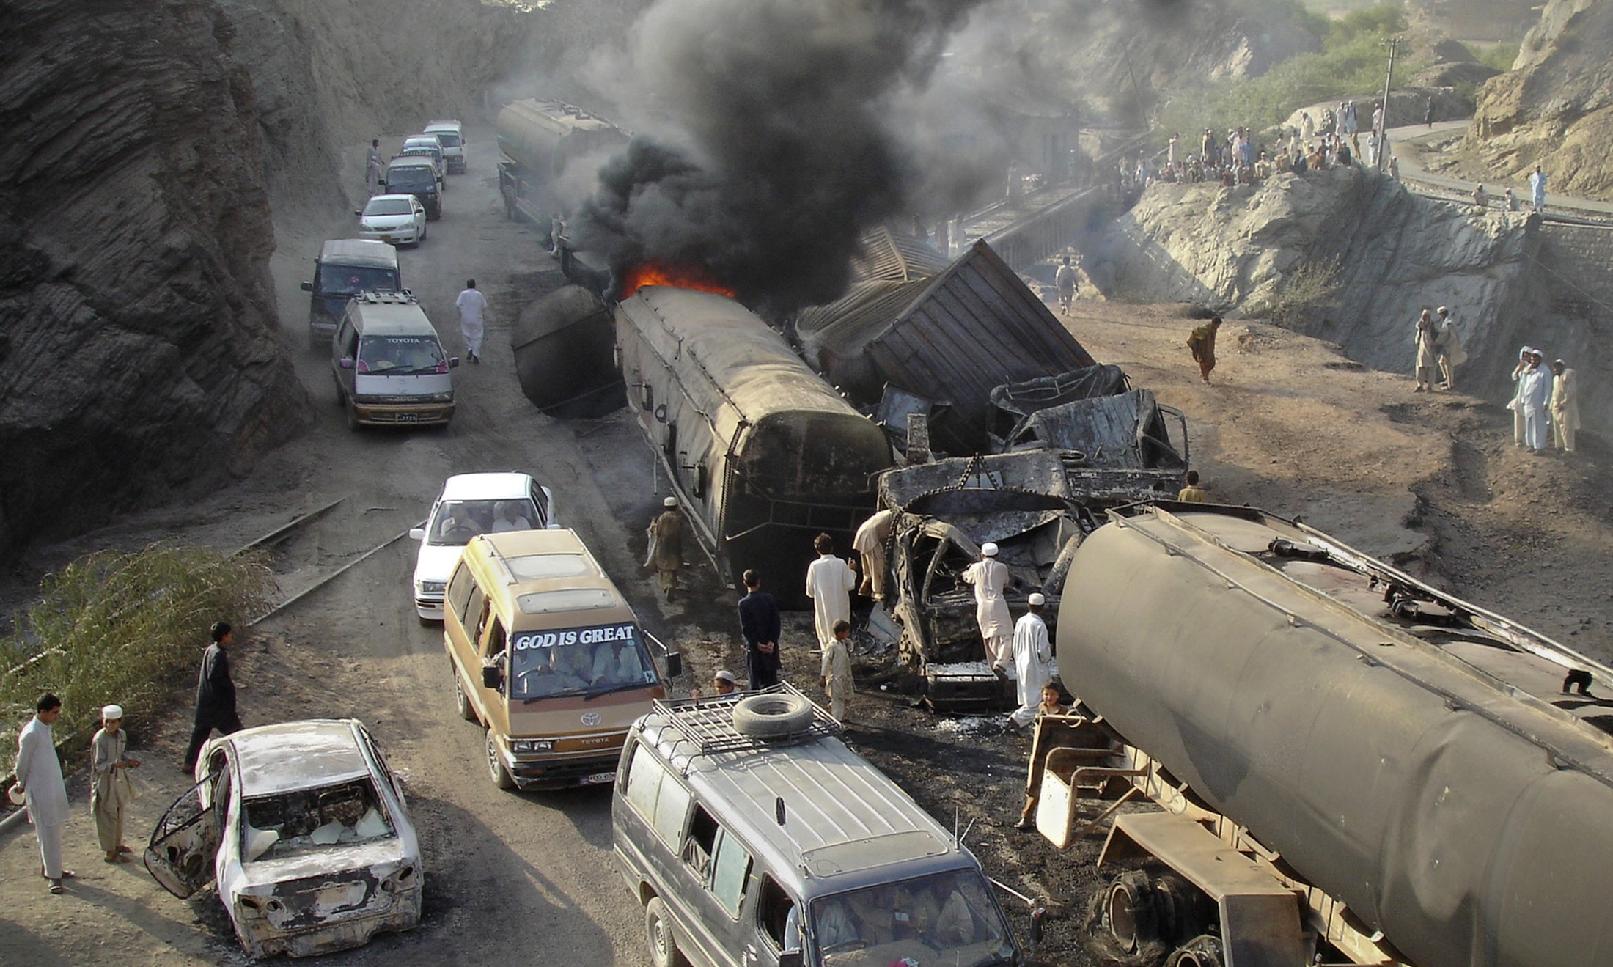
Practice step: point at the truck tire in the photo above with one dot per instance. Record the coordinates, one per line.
(1202, 951)
(772, 715)
(658, 933)
(495, 765)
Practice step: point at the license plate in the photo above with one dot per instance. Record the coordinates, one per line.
(408, 417)
(600, 778)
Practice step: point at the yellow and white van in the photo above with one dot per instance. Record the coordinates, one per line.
(548, 657)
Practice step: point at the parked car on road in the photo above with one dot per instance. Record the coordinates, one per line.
(345, 268)
(305, 831)
(389, 365)
(452, 136)
(399, 219)
(471, 504)
(754, 837)
(417, 176)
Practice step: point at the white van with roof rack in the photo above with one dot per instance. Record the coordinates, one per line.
(389, 365)
(451, 134)
(754, 837)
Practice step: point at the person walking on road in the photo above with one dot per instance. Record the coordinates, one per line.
(215, 694)
(989, 577)
(111, 790)
(1428, 112)
(1564, 405)
(1033, 661)
(472, 319)
(666, 546)
(1537, 189)
(39, 781)
(1064, 281)
(372, 168)
(834, 676)
(1427, 336)
(1201, 343)
(829, 583)
(869, 543)
(760, 627)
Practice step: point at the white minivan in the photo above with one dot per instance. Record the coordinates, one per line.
(451, 134)
(389, 366)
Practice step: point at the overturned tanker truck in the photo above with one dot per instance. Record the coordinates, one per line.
(1353, 767)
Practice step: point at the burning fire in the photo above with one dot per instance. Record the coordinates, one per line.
(677, 276)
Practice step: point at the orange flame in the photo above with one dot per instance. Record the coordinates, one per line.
(677, 276)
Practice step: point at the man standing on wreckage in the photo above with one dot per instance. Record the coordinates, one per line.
(990, 579)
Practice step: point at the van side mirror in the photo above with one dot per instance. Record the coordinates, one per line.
(307, 287)
(674, 664)
(358, 212)
(417, 533)
(492, 677)
(346, 362)
(790, 958)
(453, 361)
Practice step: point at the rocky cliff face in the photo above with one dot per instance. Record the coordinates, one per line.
(1555, 107)
(1352, 257)
(138, 354)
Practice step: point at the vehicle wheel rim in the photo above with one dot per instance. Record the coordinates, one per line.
(658, 939)
(492, 756)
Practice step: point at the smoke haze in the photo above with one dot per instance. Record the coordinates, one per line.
(774, 134)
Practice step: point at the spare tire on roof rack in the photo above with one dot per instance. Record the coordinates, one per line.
(772, 715)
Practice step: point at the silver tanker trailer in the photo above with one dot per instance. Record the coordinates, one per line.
(1300, 755)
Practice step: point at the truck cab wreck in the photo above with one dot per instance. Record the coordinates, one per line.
(1350, 765)
(304, 829)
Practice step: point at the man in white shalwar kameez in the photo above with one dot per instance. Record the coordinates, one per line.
(1520, 434)
(990, 579)
(869, 543)
(39, 779)
(829, 583)
(1033, 659)
(472, 307)
(1536, 397)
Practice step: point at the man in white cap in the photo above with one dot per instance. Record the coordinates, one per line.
(666, 546)
(990, 579)
(1520, 434)
(829, 583)
(1535, 396)
(110, 787)
(1449, 346)
(724, 682)
(1033, 657)
(39, 780)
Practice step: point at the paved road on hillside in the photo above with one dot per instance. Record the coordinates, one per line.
(1412, 142)
(510, 877)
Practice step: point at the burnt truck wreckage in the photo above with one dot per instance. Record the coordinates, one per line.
(1350, 766)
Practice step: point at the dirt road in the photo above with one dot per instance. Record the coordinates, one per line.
(524, 875)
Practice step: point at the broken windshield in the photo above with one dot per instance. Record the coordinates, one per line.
(579, 661)
(912, 921)
(307, 819)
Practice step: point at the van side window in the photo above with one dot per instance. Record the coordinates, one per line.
(702, 842)
(730, 872)
(349, 338)
(459, 591)
(495, 640)
(481, 622)
(776, 914)
(470, 617)
(643, 782)
(671, 806)
(657, 797)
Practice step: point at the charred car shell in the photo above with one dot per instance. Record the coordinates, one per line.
(305, 832)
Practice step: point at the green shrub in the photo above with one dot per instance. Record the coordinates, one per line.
(124, 628)
(1499, 56)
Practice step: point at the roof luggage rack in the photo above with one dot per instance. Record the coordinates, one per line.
(708, 723)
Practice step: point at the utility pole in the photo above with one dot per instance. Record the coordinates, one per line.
(1383, 136)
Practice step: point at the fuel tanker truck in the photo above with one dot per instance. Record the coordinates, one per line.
(551, 151)
(1296, 754)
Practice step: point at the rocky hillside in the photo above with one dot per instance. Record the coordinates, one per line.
(1352, 257)
(138, 353)
(1555, 107)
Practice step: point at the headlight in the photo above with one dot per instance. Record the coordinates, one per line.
(432, 587)
(532, 745)
(447, 397)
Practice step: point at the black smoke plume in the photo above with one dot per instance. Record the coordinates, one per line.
(777, 138)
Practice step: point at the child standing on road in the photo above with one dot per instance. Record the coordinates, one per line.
(112, 789)
(835, 677)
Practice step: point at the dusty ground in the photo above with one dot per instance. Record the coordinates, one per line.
(1430, 480)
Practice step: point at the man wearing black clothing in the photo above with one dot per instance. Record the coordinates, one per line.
(215, 694)
(759, 624)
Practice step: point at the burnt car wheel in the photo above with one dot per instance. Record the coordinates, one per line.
(658, 932)
(1205, 951)
(495, 765)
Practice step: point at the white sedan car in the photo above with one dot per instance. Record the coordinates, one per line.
(305, 832)
(399, 219)
(472, 504)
